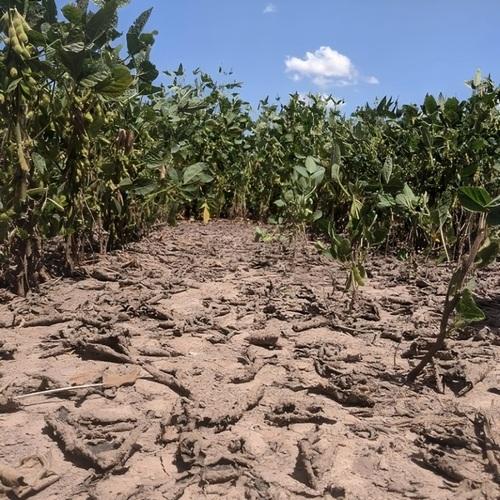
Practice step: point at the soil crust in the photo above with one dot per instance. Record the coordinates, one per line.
(210, 365)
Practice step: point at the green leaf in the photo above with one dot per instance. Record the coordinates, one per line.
(36, 38)
(340, 247)
(452, 109)
(488, 253)
(73, 62)
(378, 235)
(474, 199)
(318, 176)
(49, 11)
(407, 198)
(101, 21)
(146, 189)
(95, 78)
(302, 171)
(262, 235)
(13, 85)
(358, 274)
(125, 183)
(356, 207)
(134, 44)
(39, 163)
(495, 202)
(4, 226)
(317, 215)
(336, 154)
(336, 173)
(430, 104)
(387, 170)
(205, 178)
(467, 309)
(311, 165)
(72, 13)
(493, 218)
(148, 71)
(179, 71)
(443, 210)
(386, 200)
(192, 172)
(119, 81)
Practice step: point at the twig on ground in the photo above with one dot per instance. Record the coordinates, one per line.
(56, 391)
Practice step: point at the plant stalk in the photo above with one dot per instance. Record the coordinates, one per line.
(453, 295)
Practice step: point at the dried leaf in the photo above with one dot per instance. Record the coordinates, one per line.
(119, 378)
(86, 376)
(206, 213)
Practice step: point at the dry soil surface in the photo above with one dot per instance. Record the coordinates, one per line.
(222, 368)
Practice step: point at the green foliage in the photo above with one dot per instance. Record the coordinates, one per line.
(78, 121)
(262, 235)
(95, 151)
(475, 199)
(298, 196)
(484, 250)
(467, 310)
(488, 253)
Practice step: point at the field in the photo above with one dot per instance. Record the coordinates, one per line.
(201, 297)
(254, 381)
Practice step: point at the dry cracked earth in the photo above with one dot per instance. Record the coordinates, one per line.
(211, 365)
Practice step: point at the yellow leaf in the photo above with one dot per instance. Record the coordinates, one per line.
(206, 214)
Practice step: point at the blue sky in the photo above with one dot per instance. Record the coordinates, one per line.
(354, 49)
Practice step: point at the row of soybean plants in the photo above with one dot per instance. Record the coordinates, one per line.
(94, 150)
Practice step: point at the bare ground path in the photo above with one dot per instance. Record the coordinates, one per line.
(220, 369)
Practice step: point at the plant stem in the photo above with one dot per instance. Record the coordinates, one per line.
(444, 243)
(453, 295)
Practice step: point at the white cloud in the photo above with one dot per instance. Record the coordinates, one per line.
(326, 67)
(372, 80)
(270, 9)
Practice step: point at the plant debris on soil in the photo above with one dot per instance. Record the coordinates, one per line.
(200, 363)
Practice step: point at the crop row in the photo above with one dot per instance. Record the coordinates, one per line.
(94, 151)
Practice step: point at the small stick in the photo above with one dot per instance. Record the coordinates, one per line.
(395, 354)
(62, 389)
